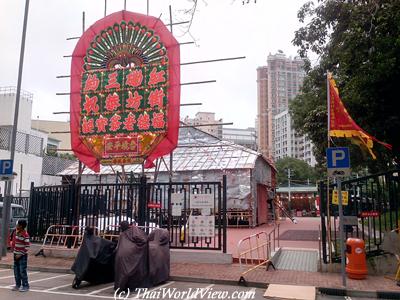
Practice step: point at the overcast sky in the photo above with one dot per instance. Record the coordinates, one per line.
(221, 28)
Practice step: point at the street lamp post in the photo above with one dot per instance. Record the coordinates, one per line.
(8, 187)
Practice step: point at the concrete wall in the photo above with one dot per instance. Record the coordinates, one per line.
(49, 126)
(7, 103)
(261, 174)
(32, 169)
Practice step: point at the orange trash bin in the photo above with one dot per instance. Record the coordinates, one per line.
(356, 260)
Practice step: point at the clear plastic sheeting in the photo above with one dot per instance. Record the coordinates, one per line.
(199, 157)
(196, 151)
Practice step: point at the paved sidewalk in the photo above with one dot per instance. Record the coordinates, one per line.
(306, 223)
(231, 274)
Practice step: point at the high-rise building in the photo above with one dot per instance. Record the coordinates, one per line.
(287, 143)
(245, 137)
(277, 84)
(264, 121)
(203, 118)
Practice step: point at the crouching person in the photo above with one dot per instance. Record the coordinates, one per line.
(20, 248)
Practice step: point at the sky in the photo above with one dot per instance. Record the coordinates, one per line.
(220, 29)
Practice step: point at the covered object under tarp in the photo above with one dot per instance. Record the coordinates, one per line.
(159, 256)
(203, 157)
(131, 260)
(94, 262)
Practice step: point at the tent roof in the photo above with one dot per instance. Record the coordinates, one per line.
(196, 151)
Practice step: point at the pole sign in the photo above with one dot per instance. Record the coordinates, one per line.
(6, 168)
(338, 161)
(372, 213)
(335, 197)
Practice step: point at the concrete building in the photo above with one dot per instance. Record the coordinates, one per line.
(55, 126)
(30, 143)
(243, 137)
(202, 118)
(277, 84)
(287, 143)
(264, 122)
(302, 198)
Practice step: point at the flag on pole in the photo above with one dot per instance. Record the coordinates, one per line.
(342, 125)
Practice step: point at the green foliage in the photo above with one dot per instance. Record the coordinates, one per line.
(67, 156)
(359, 41)
(301, 172)
(51, 152)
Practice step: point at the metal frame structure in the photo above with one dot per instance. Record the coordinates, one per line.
(65, 237)
(374, 201)
(257, 251)
(143, 203)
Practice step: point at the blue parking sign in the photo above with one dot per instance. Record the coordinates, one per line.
(6, 167)
(338, 161)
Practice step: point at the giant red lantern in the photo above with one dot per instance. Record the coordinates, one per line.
(125, 91)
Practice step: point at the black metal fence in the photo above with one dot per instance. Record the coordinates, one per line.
(149, 204)
(23, 201)
(373, 208)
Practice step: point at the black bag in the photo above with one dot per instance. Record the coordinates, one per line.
(95, 261)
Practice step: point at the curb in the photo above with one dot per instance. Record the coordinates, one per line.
(361, 294)
(40, 269)
(218, 281)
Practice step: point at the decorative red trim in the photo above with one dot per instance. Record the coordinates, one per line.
(169, 143)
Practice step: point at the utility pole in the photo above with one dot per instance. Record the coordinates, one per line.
(5, 222)
(289, 204)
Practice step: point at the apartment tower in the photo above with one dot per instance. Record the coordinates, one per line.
(277, 84)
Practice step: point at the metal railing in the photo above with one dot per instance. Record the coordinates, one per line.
(256, 250)
(12, 90)
(23, 201)
(62, 237)
(25, 143)
(113, 232)
(102, 205)
(374, 207)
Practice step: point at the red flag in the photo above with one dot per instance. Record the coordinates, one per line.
(341, 123)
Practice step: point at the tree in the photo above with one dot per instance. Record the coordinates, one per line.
(359, 42)
(301, 172)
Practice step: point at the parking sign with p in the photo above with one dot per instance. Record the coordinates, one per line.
(338, 161)
(6, 167)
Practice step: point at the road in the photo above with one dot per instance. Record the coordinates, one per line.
(57, 286)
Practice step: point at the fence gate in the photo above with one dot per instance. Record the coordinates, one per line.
(373, 209)
(193, 212)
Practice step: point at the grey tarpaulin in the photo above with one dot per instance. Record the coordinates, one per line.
(131, 260)
(95, 260)
(159, 256)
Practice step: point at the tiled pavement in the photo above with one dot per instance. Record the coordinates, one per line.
(298, 260)
(212, 272)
